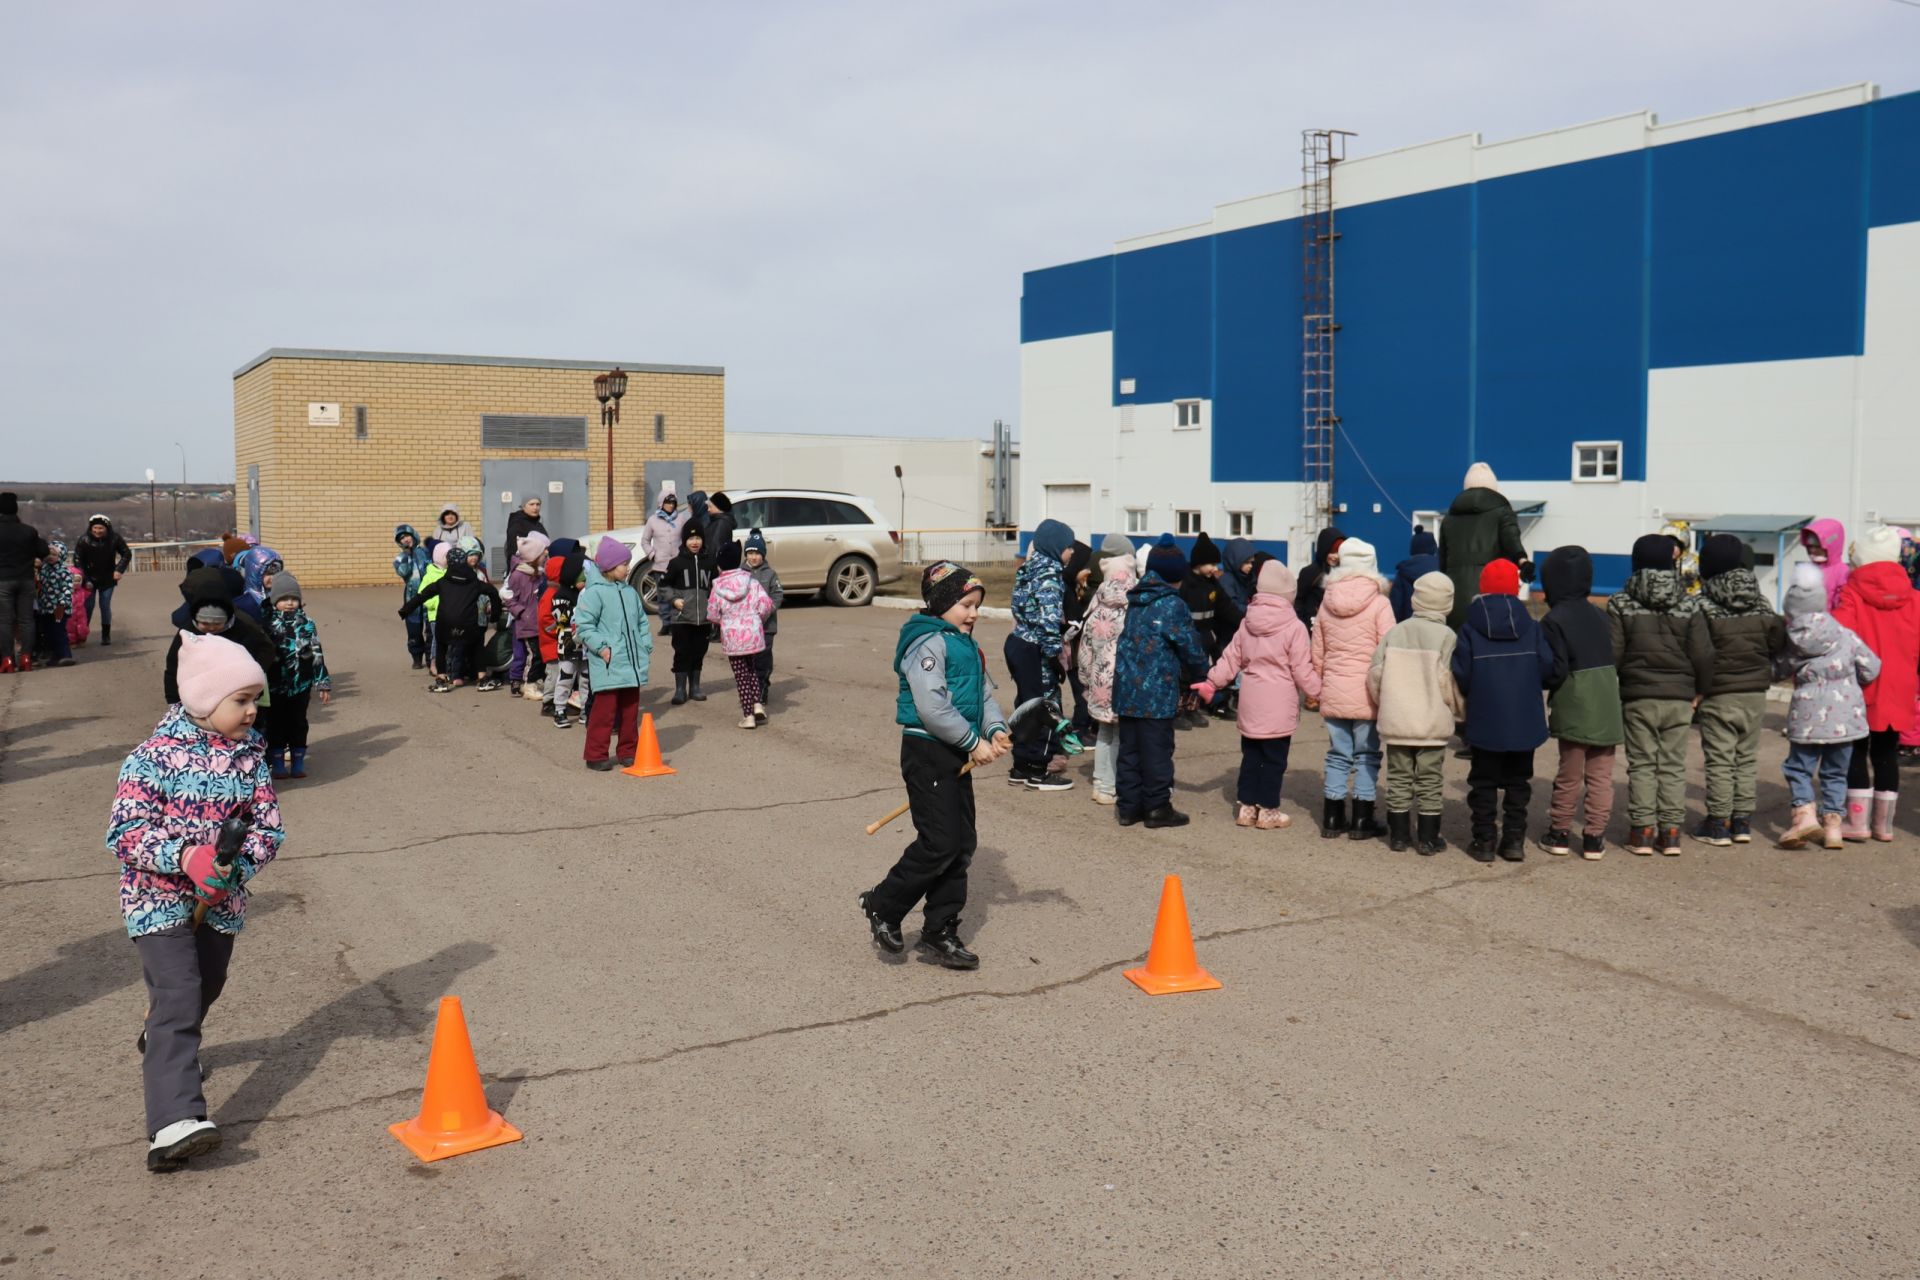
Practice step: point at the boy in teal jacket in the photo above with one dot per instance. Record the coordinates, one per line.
(947, 716)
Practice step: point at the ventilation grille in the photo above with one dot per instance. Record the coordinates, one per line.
(532, 431)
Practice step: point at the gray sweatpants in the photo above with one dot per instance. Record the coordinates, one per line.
(16, 614)
(185, 971)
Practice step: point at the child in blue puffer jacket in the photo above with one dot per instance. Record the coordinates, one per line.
(1033, 651)
(409, 565)
(1158, 656)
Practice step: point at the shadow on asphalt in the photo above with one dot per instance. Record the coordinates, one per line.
(87, 970)
(335, 756)
(990, 884)
(400, 1004)
(1907, 921)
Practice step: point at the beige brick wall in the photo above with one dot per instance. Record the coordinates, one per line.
(329, 501)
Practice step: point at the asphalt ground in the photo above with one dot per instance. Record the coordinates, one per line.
(1702, 1066)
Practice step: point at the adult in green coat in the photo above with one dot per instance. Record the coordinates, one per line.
(1478, 528)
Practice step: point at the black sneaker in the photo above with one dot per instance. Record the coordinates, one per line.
(944, 946)
(560, 720)
(885, 936)
(1513, 844)
(1041, 780)
(1126, 817)
(419, 664)
(1483, 848)
(487, 685)
(1018, 775)
(1592, 848)
(513, 688)
(600, 766)
(1558, 841)
(1740, 829)
(1713, 831)
(442, 685)
(1167, 816)
(1670, 842)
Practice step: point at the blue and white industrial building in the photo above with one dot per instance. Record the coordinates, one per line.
(1631, 321)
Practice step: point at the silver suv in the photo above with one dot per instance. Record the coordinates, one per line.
(834, 543)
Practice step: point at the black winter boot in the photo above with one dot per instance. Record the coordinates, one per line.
(1430, 839)
(1483, 846)
(886, 935)
(944, 946)
(1333, 818)
(679, 687)
(1364, 826)
(1513, 843)
(1399, 831)
(106, 633)
(693, 688)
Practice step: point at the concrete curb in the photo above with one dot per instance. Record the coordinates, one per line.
(906, 602)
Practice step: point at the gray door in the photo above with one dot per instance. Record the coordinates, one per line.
(680, 474)
(253, 499)
(505, 483)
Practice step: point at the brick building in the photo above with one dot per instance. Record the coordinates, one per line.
(333, 448)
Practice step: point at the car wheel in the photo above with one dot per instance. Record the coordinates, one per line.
(650, 593)
(850, 582)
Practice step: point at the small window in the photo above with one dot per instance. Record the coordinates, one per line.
(1186, 523)
(1186, 415)
(1596, 462)
(359, 422)
(846, 513)
(1136, 519)
(659, 428)
(1240, 524)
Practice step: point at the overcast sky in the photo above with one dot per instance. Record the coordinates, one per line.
(833, 200)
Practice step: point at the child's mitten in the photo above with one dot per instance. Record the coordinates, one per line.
(210, 883)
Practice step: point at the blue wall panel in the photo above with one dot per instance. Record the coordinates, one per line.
(1061, 302)
(1163, 322)
(1404, 301)
(1756, 243)
(1256, 374)
(1558, 352)
(1894, 194)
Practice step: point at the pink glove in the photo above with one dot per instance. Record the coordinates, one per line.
(198, 865)
(1205, 690)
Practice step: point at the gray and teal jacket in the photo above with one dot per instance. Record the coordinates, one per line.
(411, 562)
(302, 665)
(946, 694)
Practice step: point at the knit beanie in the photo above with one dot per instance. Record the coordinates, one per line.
(285, 587)
(1275, 579)
(1721, 553)
(757, 541)
(214, 615)
(530, 546)
(440, 554)
(1116, 544)
(9, 504)
(729, 557)
(210, 668)
(611, 554)
(1480, 476)
(1203, 553)
(1878, 545)
(1357, 559)
(1652, 551)
(1433, 593)
(469, 546)
(1808, 594)
(1499, 578)
(945, 584)
(721, 502)
(1422, 543)
(1166, 560)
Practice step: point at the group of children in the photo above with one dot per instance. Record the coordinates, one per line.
(571, 631)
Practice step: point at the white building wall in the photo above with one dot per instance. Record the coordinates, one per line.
(947, 481)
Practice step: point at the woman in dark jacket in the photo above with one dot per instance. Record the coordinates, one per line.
(521, 523)
(1080, 588)
(1312, 582)
(1479, 527)
(103, 555)
(719, 528)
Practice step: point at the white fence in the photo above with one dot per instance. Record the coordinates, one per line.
(969, 546)
(165, 557)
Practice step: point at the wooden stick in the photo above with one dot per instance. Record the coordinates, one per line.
(873, 828)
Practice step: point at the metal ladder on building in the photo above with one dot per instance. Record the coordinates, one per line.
(1320, 151)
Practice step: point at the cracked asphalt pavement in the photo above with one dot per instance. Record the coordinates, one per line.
(1418, 1067)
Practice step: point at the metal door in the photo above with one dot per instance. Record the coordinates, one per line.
(678, 474)
(505, 483)
(253, 499)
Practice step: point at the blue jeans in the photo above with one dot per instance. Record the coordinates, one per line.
(102, 596)
(1821, 764)
(1353, 751)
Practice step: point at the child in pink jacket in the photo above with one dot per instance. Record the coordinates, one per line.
(1273, 658)
(1355, 616)
(740, 605)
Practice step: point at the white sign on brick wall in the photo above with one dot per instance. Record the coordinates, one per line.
(323, 415)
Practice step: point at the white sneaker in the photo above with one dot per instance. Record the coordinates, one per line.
(760, 712)
(531, 692)
(578, 701)
(179, 1142)
(1105, 797)
(748, 722)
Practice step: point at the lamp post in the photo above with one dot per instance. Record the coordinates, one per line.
(607, 389)
(901, 476)
(150, 504)
(176, 493)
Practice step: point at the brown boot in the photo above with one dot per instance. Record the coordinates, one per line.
(1830, 837)
(1883, 803)
(1801, 827)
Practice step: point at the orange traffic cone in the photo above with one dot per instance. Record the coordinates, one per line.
(454, 1117)
(646, 761)
(1171, 964)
